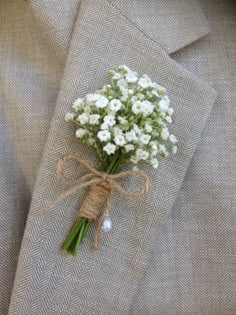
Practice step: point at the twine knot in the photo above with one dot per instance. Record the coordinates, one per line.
(104, 177)
(101, 187)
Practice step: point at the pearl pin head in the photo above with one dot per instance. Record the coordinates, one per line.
(107, 224)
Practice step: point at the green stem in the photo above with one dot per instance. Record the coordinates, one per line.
(113, 164)
(75, 250)
(88, 223)
(72, 235)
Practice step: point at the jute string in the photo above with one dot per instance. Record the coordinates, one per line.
(101, 187)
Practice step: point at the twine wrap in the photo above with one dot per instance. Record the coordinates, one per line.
(101, 187)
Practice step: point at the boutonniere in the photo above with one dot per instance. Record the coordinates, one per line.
(126, 122)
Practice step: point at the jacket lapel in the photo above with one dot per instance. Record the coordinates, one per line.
(172, 24)
(104, 282)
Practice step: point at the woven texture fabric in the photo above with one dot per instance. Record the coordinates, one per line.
(171, 252)
(173, 24)
(194, 264)
(31, 68)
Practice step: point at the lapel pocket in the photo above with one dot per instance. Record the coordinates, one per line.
(103, 37)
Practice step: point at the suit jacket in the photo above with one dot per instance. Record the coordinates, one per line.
(171, 252)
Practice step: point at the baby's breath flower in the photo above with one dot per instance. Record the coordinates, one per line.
(120, 140)
(94, 119)
(77, 105)
(162, 115)
(105, 89)
(161, 89)
(163, 105)
(137, 130)
(168, 119)
(154, 85)
(131, 77)
(109, 148)
(125, 68)
(134, 99)
(131, 136)
(142, 154)
(117, 131)
(154, 163)
(140, 96)
(130, 92)
(149, 94)
(101, 102)
(115, 105)
(104, 135)
(147, 107)
(165, 134)
(137, 107)
(170, 111)
(161, 122)
(148, 127)
(125, 93)
(154, 154)
(81, 132)
(155, 93)
(174, 149)
(161, 149)
(122, 83)
(104, 126)
(134, 159)
(109, 120)
(70, 117)
(122, 120)
(153, 145)
(90, 98)
(145, 81)
(117, 76)
(129, 147)
(124, 98)
(144, 139)
(172, 139)
(83, 118)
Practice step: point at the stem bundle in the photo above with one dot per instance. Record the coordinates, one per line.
(93, 202)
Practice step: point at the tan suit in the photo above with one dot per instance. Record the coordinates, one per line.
(172, 252)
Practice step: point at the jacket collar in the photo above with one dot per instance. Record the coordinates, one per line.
(104, 37)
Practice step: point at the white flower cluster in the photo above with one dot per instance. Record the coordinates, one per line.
(129, 116)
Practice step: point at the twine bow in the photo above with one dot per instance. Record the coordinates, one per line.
(95, 177)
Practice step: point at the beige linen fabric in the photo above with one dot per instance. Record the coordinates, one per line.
(169, 253)
(194, 262)
(31, 67)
